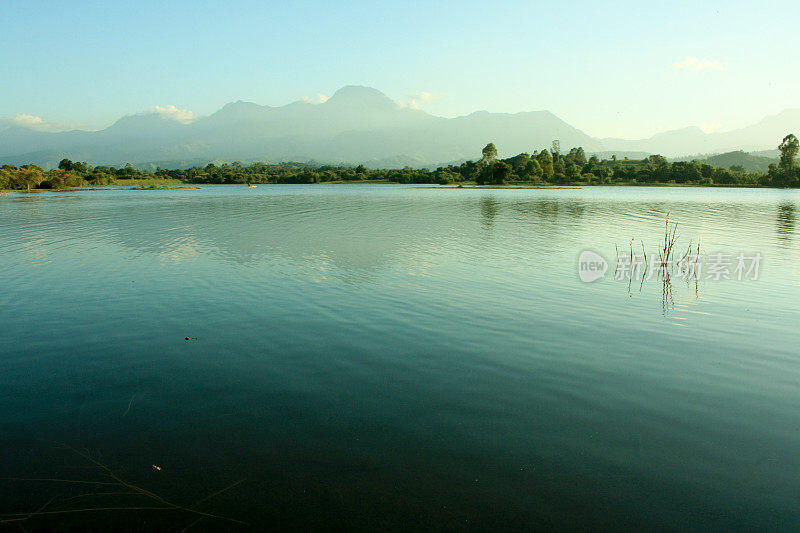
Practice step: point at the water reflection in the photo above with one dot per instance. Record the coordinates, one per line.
(641, 271)
(787, 218)
(551, 209)
(489, 208)
(337, 322)
(358, 234)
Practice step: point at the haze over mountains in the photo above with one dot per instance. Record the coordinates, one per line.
(356, 125)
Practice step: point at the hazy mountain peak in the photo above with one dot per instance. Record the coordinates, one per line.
(356, 124)
(360, 96)
(688, 130)
(238, 111)
(790, 115)
(240, 106)
(143, 120)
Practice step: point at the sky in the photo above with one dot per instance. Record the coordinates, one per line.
(624, 69)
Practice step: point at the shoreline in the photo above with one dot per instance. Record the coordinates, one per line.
(144, 186)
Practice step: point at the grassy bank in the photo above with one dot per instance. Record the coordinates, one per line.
(146, 182)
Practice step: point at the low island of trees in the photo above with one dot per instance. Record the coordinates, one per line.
(546, 167)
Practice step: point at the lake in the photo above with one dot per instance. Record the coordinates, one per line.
(387, 357)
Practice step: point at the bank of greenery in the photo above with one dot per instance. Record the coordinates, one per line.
(547, 167)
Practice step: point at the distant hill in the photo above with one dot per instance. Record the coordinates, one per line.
(749, 162)
(621, 154)
(773, 154)
(356, 125)
(764, 135)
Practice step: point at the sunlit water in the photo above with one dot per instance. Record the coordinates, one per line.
(388, 357)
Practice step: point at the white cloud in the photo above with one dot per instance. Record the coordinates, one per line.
(425, 96)
(411, 104)
(711, 127)
(181, 115)
(695, 64)
(36, 123)
(27, 120)
(414, 99)
(39, 124)
(319, 99)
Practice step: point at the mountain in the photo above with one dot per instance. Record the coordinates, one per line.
(764, 135)
(356, 125)
(738, 158)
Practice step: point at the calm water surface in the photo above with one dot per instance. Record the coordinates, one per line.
(388, 357)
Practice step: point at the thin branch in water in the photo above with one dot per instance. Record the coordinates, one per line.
(645, 256)
(57, 480)
(87, 510)
(97, 494)
(39, 510)
(129, 406)
(134, 490)
(198, 502)
(151, 494)
(190, 526)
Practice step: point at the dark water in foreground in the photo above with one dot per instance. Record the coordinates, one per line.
(384, 357)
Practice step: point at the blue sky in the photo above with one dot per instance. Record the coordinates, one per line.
(623, 69)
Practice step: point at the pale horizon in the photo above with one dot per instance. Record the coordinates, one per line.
(187, 116)
(625, 73)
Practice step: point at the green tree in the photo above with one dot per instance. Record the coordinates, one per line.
(573, 172)
(470, 170)
(489, 152)
(559, 167)
(577, 156)
(500, 172)
(80, 167)
(495, 173)
(444, 176)
(546, 162)
(533, 169)
(519, 162)
(28, 177)
(789, 148)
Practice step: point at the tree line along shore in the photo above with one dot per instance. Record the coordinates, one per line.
(546, 167)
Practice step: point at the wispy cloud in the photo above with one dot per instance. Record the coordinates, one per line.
(319, 99)
(712, 127)
(27, 120)
(414, 99)
(38, 123)
(181, 115)
(695, 64)
(424, 96)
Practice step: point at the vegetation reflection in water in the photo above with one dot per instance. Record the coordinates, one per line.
(364, 355)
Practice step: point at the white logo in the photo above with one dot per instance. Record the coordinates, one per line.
(591, 266)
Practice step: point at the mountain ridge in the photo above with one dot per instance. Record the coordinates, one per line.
(357, 124)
